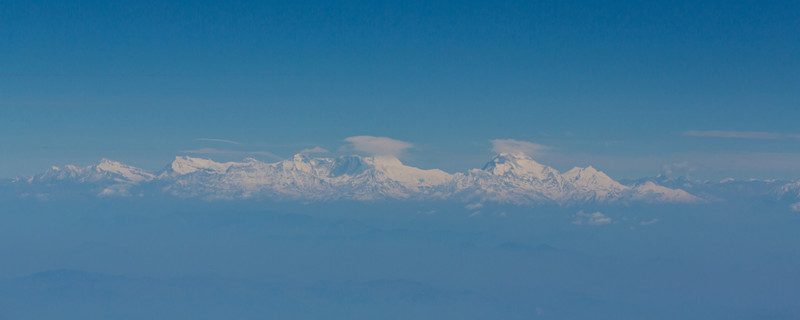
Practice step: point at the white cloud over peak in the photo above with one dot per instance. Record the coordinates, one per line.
(517, 146)
(678, 168)
(316, 149)
(378, 146)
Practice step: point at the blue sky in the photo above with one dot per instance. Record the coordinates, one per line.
(628, 87)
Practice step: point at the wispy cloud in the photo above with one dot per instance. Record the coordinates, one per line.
(219, 140)
(592, 219)
(316, 149)
(682, 168)
(378, 146)
(474, 206)
(742, 134)
(648, 222)
(230, 152)
(517, 146)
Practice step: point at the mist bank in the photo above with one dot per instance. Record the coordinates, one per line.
(188, 258)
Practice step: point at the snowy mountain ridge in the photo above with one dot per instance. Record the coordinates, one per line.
(105, 170)
(507, 178)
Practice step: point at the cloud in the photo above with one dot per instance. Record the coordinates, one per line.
(474, 206)
(517, 146)
(119, 190)
(219, 140)
(316, 149)
(742, 134)
(592, 219)
(378, 146)
(796, 206)
(231, 152)
(683, 168)
(644, 223)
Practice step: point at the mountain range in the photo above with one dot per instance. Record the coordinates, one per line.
(512, 178)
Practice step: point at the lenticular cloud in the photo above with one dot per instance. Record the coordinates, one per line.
(378, 146)
(517, 146)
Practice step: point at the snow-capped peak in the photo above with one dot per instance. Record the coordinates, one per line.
(183, 165)
(129, 173)
(590, 176)
(575, 171)
(507, 178)
(516, 164)
(409, 176)
(105, 170)
(590, 183)
(387, 171)
(651, 192)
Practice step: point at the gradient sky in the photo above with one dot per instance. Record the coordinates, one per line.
(632, 88)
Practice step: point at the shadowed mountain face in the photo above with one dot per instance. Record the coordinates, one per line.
(507, 178)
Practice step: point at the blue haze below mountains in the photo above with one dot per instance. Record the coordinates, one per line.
(519, 241)
(125, 258)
